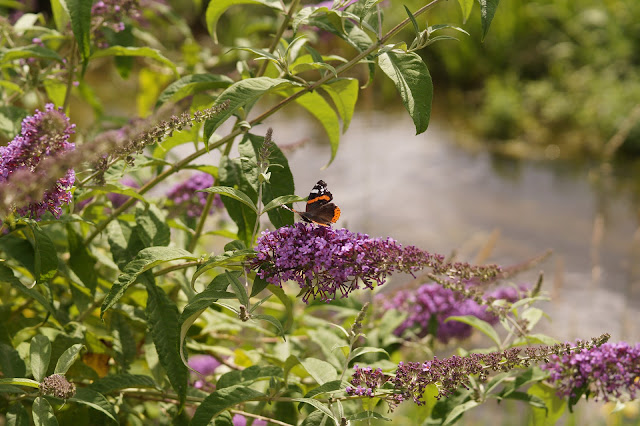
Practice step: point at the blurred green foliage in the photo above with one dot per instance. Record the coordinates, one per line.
(558, 73)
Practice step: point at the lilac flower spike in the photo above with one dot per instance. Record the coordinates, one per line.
(44, 134)
(433, 301)
(328, 263)
(611, 370)
(186, 199)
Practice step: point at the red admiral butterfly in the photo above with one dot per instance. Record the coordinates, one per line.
(320, 210)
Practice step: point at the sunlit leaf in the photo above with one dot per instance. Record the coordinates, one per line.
(67, 358)
(409, 73)
(479, 325)
(43, 413)
(145, 260)
(40, 354)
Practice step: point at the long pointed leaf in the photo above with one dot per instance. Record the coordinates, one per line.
(145, 260)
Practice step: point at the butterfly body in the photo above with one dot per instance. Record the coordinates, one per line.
(320, 210)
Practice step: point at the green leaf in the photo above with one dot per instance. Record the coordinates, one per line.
(416, 28)
(43, 413)
(163, 315)
(242, 93)
(67, 358)
(465, 7)
(112, 383)
(319, 406)
(458, 411)
(367, 350)
(221, 260)
(280, 182)
(221, 400)
(217, 289)
(80, 259)
(20, 382)
(40, 353)
(46, 258)
(321, 371)
(17, 415)
(29, 52)
(316, 104)
(344, 94)
(215, 9)
(411, 76)
(329, 387)
(60, 14)
(487, 11)
(478, 324)
(238, 288)
(233, 193)
(144, 261)
(152, 226)
(271, 319)
(521, 378)
(146, 52)
(248, 376)
(11, 364)
(80, 14)
(555, 406)
(279, 201)
(192, 84)
(95, 400)
(11, 86)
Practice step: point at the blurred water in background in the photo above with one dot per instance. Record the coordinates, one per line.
(425, 191)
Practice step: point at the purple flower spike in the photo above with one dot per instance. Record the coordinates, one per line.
(432, 300)
(327, 263)
(186, 199)
(44, 134)
(611, 370)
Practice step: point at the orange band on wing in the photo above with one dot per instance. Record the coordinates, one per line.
(336, 215)
(322, 197)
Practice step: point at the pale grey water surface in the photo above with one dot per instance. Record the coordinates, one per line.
(423, 190)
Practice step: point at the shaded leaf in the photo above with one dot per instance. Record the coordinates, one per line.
(479, 325)
(11, 364)
(95, 400)
(115, 382)
(221, 400)
(80, 15)
(146, 52)
(46, 258)
(192, 84)
(162, 315)
(487, 11)
(215, 9)
(43, 413)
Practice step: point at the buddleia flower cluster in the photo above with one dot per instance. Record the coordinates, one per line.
(186, 198)
(432, 302)
(610, 371)
(57, 385)
(44, 135)
(329, 263)
(410, 379)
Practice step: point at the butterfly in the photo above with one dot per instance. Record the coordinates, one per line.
(320, 210)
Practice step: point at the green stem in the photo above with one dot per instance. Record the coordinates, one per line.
(278, 36)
